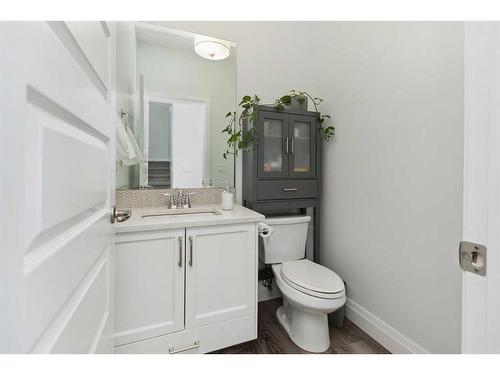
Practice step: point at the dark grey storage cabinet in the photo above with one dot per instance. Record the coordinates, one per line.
(281, 171)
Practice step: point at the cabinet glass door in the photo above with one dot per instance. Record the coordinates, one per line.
(302, 133)
(273, 145)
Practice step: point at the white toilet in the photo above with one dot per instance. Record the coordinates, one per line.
(310, 291)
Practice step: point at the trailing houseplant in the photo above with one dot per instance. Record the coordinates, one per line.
(239, 139)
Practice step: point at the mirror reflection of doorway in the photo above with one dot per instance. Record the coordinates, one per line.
(159, 150)
(174, 139)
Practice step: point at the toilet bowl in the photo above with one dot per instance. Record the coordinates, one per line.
(310, 291)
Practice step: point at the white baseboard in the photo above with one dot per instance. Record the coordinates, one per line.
(387, 336)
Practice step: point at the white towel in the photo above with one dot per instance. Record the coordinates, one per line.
(264, 230)
(133, 145)
(139, 157)
(121, 137)
(124, 145)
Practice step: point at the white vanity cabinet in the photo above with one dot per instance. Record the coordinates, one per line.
(149, 284)
(191, 290)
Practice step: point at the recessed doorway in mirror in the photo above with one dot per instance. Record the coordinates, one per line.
(180, 102)
(175, 142)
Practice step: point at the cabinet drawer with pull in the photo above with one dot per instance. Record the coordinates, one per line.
(198, 340)
(286, 189)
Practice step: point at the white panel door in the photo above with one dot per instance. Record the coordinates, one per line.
(481, 294)
(220, 273)
(149, 284)
(188, 132)
(57, 178)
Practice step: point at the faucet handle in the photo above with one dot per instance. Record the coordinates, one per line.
(188, 198)
(170, 201)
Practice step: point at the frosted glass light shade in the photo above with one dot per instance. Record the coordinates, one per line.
(211, 48)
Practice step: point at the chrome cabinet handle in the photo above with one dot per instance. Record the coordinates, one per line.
(291, 139)
(190, 251)
(290, 189)
(172, 350)
(286, 142)
(179, 263)
(120, 215)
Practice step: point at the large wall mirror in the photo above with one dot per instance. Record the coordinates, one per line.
(183, 89)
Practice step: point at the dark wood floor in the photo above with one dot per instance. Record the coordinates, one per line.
(272, 338)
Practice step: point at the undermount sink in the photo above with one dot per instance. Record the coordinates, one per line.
(183, 211)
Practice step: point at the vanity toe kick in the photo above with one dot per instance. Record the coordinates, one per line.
(197, 341)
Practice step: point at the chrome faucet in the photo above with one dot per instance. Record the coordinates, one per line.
(184, 199)
(179, 199)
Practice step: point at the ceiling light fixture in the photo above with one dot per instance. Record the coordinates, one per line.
(211, 48)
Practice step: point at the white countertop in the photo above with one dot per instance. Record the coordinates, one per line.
(137, 222)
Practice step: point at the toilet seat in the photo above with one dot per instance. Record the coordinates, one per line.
(312, 279)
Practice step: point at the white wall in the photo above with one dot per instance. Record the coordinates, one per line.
(392, 186)
(125, 83)
(181, 75)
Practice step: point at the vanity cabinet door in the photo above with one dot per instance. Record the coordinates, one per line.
(273, 145)
(221, 273)
(302, 156)
(149, 284)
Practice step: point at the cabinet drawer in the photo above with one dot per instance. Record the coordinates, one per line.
(285, 189)
(197, 340)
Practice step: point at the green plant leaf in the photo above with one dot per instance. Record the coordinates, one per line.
(242, 140)
(286, 99)
(248, 137)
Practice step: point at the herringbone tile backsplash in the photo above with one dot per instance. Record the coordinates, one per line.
(154, 197)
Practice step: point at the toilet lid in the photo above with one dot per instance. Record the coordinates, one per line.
(311, 276)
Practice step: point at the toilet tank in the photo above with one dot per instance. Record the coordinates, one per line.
(287, 241)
